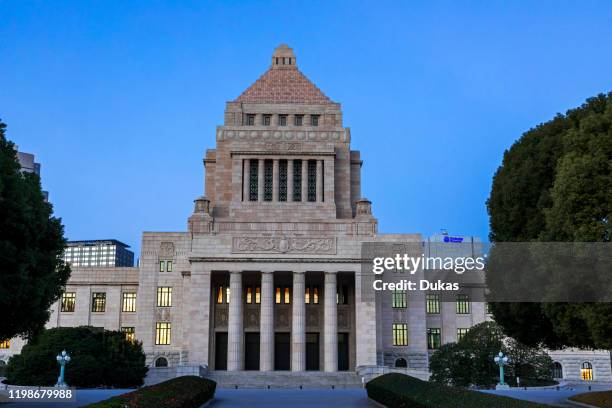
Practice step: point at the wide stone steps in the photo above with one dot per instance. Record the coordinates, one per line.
(284, 379)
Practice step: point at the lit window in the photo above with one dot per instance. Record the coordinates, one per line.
(463, 304)
(488, 309)
(220, 294)
(433, 304)
(315, 295)
(68, 302)
(282, 120)
(399, 299)
(129, 332)
(267, 120)
(129, 302)
(314, 120)
(98, 302)
(298, 119)
(249, 294)
(257, 295)
(162, 266)
(307, 295)
(312, 295)
(6, 344)
(461, 333)
(297, 180)
(164, 296)
(168, 266)
(250, 120)
(400, 334)
(586, 371)
(433, 339)
(162, 333)
(278, 295)
(287, 295)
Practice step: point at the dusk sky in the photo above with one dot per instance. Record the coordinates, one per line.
(119, 100)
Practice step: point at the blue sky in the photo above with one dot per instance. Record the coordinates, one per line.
(119, 100)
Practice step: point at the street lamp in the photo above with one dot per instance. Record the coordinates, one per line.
(501, 361)
(62, 359)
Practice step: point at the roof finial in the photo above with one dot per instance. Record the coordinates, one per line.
(283, 57)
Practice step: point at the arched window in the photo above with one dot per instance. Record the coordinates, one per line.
(161, 362)
(557, 370)
(586, 371)
(401, 363)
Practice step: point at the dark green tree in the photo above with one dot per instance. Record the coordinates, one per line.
(31, 245)
(555, 185)
(98, 358)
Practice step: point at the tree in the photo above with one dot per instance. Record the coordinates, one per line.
(470, 360)
(31, 247)
(98, 358)
(555, 185)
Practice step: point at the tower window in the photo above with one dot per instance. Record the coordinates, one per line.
(282, 180)
(253, 179)
(282, 120)
(312, 180)
(298, 119)
(314, 120)
(250, 120)
(267, 120)
(297, 180)
(267, 180)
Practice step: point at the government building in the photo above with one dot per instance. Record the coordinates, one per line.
(269, 276)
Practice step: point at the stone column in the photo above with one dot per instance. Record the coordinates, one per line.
(245, 179)
(260, 181)
(266, 322)
(330, 324)
(298, 323)
(304, 180)
(275, 180)
(319, 181)
(198, 324)
(290, 180)
(234, 324)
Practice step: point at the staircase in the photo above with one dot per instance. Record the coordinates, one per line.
(284, 379)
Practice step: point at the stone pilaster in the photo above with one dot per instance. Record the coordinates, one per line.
(245, 179)
(290, 180)
(266, 322)
(304, 180)
(260, 181)
(275, 180)
(199, 314)
(298, 323)
(319, 181)
(235, 353)
(330, 324)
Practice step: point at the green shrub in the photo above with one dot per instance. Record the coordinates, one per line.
(402, 391)
(98, 358)
(181, 392)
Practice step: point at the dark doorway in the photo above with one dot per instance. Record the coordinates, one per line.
(312, 351)
(282, 351)
(221, 351)
(251, 351)
(343, 351)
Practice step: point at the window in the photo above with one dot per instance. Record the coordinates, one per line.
(287, 295)
(164, 296)
(400, 334)
(282, 120)
(68, 301)
(298, 119)
(312, 180)
(586, 371)
(168, 266)
(6, 344)
(314, 120)
(399, 299)
(282, 180)
(297, 180)
(401, 363)
(129, 332)
(253, 179)
(98, 302)
(250, 120)
(129, 302)
(283, 295)
(165, 266)
(432, 304)
(312, 295)
(433, 339)
(277, 295)
(342, 295)
(461, 333)
(557, 370)
(268, 180)
(267, 120)
(253, 294)
(463, 304)
(161, 362)
(223, 293)
(163, 333)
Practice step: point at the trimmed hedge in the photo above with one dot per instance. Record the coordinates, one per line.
(181, 392)
(401, 391)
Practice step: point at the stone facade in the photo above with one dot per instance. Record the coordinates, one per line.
(268, 275)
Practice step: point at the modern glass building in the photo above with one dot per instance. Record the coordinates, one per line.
(105, 252)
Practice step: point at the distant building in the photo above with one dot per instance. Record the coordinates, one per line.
(100, 253)
(29, 165)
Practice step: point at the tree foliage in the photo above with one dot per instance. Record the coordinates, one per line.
(31, 246)
(555, 185)
(470, 361)
(98, 358)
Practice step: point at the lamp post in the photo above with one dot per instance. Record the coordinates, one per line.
(501, 361)
(62, 359)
